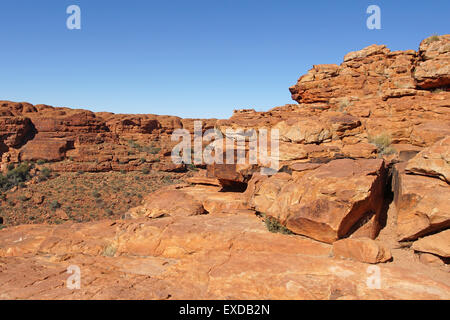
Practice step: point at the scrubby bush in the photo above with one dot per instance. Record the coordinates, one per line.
(383, 143)
(44, 174)
(110, 250)
(96, 194)
(432, 39)
(133, 144)
(273, 225)
(55, 205)
(344, 104)
(192, 167)
(15, 176)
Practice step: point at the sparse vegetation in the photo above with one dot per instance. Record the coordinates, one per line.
(44, 174)
(110, 250)
(55, 205)
(87, 197)
(15, 176)
(133, 144)
(192, 167)
(96, 194)
(438, 90)
(432, 39)
(344, 104)
(383, 143)
(273, 225)
(152, 149)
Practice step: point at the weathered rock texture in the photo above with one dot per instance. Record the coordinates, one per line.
(197, 257)
(374, 128)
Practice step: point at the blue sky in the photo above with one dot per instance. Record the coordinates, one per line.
(198, 58)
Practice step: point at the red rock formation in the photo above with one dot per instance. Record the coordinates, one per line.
(379, 115)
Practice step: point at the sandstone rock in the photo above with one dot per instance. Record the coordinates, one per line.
(430, 259)
(232, 176)
(203, 180)
(438, 244)
(433, 71)
(42, 148)
(190, 257)
(61, 214)
(15, 131)
(429, 132)
(38, 199)
(363, 250)
(421, 204)
(433, 161)
(327, 203)
(168, 201)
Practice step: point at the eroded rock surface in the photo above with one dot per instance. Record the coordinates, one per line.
(198, 257)
(373, 128)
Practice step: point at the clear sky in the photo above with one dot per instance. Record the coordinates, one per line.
(198, 58)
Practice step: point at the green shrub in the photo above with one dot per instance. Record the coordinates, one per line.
(133, 144)
(15, 176)
(146, 171)
(41, 161)
(192, 167)
(55, 205)
(44, 174)
(151, 149)
(273, 225)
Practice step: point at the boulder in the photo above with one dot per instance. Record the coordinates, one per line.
(438, 244)
(433, 69)
(169, 201)
(433, 161)
(363, 250)
(421, 203)
(328, 203)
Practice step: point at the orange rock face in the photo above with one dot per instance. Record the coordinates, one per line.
(363, 167)
(438, 244)
(364, 250)
(197, 257)
(433, 161)
(338, 199)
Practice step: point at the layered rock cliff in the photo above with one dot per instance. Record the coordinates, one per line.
(363, 179)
